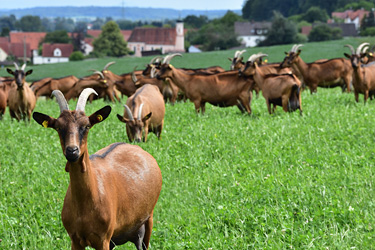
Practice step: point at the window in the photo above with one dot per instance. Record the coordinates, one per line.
(57, 52)
(135, 48)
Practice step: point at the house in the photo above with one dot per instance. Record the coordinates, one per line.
(54, 53)
(348, 29)
(167, 40)
(251, 33)
(88, 42)
(352, 16)
(17, 50)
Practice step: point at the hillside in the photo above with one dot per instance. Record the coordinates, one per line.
(129, 13)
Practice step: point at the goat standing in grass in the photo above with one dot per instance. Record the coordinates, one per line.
(21, 99)
(112, 193)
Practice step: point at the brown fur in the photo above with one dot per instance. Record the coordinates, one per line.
(93, 81)
(152, 116)
(111, 194)
(64, 84)
(39, 83)
(326, 73)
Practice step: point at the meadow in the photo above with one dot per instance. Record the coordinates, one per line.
(230, 180)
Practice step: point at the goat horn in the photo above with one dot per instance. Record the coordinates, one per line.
(359, 49)
(241, 52)
(134, 78)
(256, 56)
(16, 65)
(130, 115)
(140, 112)
(297, 47)
(107, 65)
(156, 58)
(99, 73)
(23, 67)
(60, 98)
(81, 104)
(351, 48)
(168, 58)
(292, 49)
(152, 74)
(236, 53)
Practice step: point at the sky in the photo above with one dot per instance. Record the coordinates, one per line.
(173, 4)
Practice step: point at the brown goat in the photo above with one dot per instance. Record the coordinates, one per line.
(112, 193)
(237, 62)
(327, 74)
(278, 89)
(363, 74)
(21, 99)
(39, 83)
(64, 84)
(144, 112)
(222, 89)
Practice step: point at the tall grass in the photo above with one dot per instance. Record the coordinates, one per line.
(230, 181)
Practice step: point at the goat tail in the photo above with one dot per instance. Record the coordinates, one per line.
(294, 104)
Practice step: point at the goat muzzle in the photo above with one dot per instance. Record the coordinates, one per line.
(72, 153)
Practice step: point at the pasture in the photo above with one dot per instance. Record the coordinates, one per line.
(230, 181)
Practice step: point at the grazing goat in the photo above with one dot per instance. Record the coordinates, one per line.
(222, 89)
(237, 62)
(363, 74)
(112, 193)
(278, 89)
(144, 112)
(64, 84)
(327, 74)
(39, 83)
(21, 99)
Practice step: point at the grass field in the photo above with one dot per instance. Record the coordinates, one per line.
(230, 181)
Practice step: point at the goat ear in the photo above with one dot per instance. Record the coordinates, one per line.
(230, 59)
(147, 117)
(10, 71)
(347, 55)
(299, 52)
(44, 120)
(122, 119)
(100, 115)
(29, 72)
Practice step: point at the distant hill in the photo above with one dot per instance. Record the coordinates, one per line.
(129, 13)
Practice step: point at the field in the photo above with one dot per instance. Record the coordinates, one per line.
(230, 181)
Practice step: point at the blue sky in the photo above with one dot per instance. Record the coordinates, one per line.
(174, 4)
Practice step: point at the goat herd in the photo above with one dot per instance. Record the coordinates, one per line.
(112, 193)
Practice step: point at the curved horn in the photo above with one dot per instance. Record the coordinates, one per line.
(107, 65)
(297, 47)
(155, 59)
(81, 104)
(99, 73)
(23, 67)
(134, 78)
(241, 52)
(236, 53)
(351, 48)
(253, 57)
(60, 98)
(130, 115)
(153, 71)
(359, 49)
(16, 65)
(140, 112)
(292, 49)
(168, 58)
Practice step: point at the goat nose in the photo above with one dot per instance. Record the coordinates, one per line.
(71, 150)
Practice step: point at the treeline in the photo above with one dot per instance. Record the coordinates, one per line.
(260, 10)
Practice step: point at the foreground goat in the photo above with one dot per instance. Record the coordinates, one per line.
(282, 90)
(21, 99)
(144, 111)
(112, 193)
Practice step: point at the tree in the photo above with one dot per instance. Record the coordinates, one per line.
(59, 36)
(78, 36)
(64, 24)
(30, 23)
(111, 42)
(8, 22)
(315, 14)
(323, 32)
(282, 31)
(193, 21)
(367, 22)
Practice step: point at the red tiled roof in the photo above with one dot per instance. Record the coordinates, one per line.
(163, 36)
(15, 49)
(48, 49)
(96, 33)
(32, 38)
(306, 30)
(4, 39)
(351, 14)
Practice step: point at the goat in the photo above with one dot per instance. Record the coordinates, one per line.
(112, 193)
(278, 89)
(327, 74)
(363, 74)
(95, 81)
(3, 99)
(39, 83)
(222, 89)
(144, 111)
(64, 84)
(21, 98)
(237, 62)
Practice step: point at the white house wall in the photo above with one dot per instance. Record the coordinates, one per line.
(250, 41)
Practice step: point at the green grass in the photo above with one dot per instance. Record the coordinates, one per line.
(230, 181)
